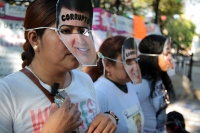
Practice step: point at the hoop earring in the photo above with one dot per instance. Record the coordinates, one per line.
(35, 47)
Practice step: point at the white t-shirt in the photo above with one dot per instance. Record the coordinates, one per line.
(151, 105)
(125, 105)
(24, 108)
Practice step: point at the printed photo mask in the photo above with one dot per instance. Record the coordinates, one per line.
(74, 29)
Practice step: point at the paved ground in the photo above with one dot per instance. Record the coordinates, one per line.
(188, 96)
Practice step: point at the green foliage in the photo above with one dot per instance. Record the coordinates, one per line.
(170, 7)
(181, 30)
(117, 6)
(166, 7)
(141, 7)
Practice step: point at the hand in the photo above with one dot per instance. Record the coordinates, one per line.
(103, 123)
(64, 119)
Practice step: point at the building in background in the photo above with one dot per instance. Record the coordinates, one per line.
(192, 11)
(11, 37)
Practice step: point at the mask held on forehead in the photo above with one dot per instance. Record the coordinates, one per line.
(129, 60)
(73, 29)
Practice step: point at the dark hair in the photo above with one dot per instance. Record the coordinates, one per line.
(77, 5)
(150, 70)
(129, 43)
(111, 48)
(175, 122)
(40, 13)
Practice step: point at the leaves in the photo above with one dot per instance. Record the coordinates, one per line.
(181, 30)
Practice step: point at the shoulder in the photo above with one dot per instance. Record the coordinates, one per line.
(102, 82)
(14, 83)
(142, 90)
(9, 86)
(104, 86)
(143, 85)
(79, 75)
(13, 79)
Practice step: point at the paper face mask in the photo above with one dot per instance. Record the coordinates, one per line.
(167, 52)
(129, 58)
(73, 29)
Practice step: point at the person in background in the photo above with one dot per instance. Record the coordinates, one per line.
(25, 96)
(114, 90)
(175, 123)
(156, 89)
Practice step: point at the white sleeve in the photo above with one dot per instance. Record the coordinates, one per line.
(6, 108)
(102, 101)
(142, 90)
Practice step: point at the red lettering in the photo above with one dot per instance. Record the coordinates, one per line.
(38, 121)
(46, 113)
(82, 125)
(89, 102)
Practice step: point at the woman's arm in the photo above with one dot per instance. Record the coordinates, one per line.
(103, 123)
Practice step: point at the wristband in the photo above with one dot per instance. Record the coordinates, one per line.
(113, 115)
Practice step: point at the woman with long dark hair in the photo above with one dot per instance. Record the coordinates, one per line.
(156, 90)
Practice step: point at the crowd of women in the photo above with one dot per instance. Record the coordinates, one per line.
(122, 92)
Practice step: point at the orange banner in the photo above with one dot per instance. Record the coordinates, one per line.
(139, 27)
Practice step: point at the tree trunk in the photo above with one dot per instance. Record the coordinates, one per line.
(156, 9)
(96, 3)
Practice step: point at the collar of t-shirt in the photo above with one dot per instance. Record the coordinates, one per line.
(120, 86)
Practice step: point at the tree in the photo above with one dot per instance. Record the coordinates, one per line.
(139, 7)
(160, 7)
(181, 30)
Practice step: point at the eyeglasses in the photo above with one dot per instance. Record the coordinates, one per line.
(65, 30)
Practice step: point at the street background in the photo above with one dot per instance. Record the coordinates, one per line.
(187, 97)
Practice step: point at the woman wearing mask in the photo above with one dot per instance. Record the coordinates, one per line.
(156, 87)
(25, 99)
(116, 69)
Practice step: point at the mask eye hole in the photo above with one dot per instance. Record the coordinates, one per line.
(84, 31)
(65, 30)
(132, 61)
